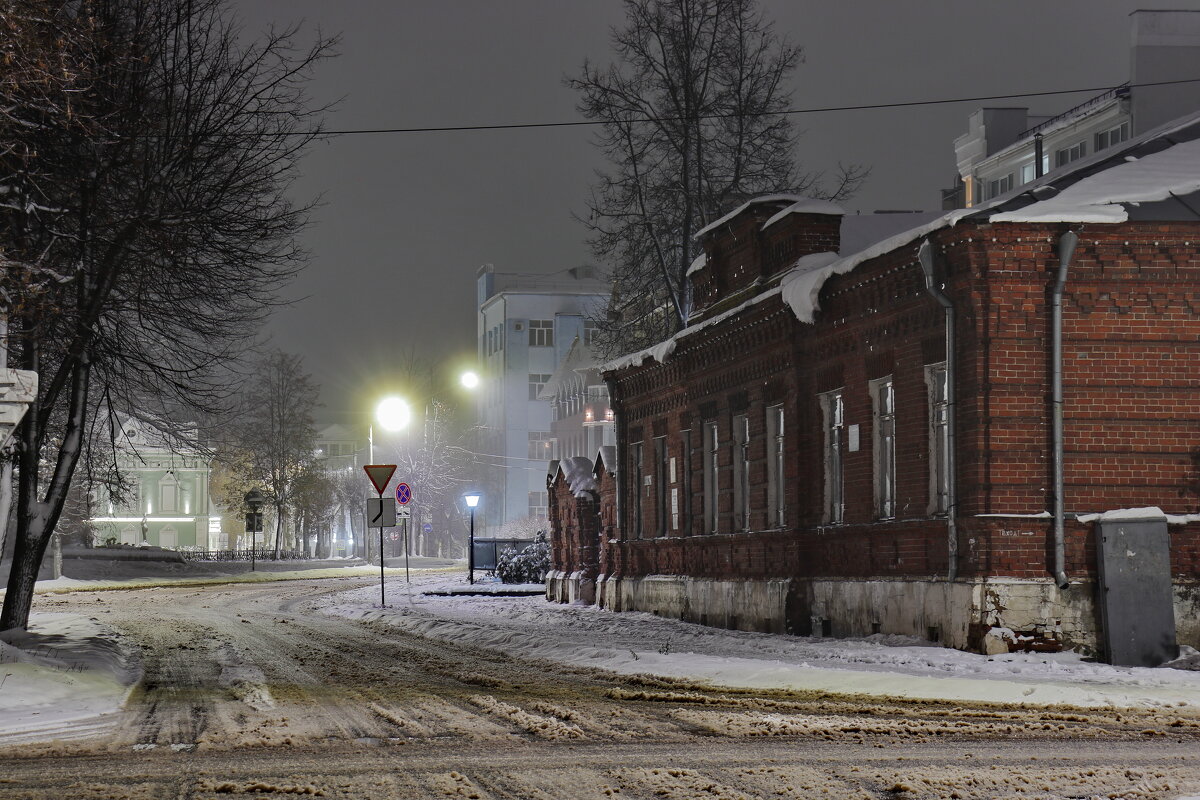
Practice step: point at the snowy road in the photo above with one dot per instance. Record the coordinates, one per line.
(249, 692)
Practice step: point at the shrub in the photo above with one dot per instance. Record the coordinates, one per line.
(526, 566)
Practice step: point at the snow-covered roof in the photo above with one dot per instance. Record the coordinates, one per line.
(1102, 197)
(796, 200)
(1095, 197)
(577, 473)
(606, 458)
(809, 205)
(579, 358)
(699, 263)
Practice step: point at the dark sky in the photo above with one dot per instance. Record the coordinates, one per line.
(408, 218)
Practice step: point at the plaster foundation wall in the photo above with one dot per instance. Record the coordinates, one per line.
(738, 605)
(569, 588)
(954, 614)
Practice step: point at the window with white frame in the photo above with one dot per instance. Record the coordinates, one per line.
(712, 480)
(1029, 171)
(775, 490)
(539, 445)
(541, 333)
(939, 438)
(537, 382)
(999, 186)
(537, 504)
(883, 408)
(590, 330)
(833, 413)
(1112, 136)
(741, 471)
(1068, 154)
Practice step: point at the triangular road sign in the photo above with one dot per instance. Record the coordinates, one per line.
(380, 474)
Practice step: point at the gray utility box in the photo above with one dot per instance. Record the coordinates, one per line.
(1137, 610)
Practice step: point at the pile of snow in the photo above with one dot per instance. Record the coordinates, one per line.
(879, 665)
(67, 677)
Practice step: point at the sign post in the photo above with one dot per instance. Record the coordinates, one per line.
(380, 474)
(404, 497)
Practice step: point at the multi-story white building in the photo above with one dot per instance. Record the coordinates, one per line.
(583, 416)
(526, 325)
(1005, 148)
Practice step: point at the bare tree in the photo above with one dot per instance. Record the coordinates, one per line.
(693, 125)
(271, 441)
(146, 227)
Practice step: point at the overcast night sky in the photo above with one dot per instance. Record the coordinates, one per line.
(408, 218)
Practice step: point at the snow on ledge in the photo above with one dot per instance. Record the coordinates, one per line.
(1148, 512)
(698, 264)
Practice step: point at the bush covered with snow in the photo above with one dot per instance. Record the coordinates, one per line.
(525, 566)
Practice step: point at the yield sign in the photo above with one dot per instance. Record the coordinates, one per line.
(380, 474)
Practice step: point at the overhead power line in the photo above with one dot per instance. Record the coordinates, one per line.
(790, 112)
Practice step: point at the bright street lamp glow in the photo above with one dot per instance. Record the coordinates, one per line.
(471, 500)
(469, 380)
(393, 413)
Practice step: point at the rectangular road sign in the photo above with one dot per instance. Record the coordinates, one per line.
(403, 512)
(381, 512)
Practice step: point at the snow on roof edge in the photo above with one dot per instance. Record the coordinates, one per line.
(807, 206)
(766, 198)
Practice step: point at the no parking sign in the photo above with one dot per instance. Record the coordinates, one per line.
(403, 493)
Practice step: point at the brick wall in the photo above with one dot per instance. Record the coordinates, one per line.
(1132, 423)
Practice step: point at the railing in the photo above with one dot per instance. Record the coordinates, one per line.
(1118, 91)
(260, 554)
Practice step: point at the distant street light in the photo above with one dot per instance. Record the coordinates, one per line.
(469, 380)
(472, 500)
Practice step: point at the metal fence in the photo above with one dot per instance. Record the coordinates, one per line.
(261, 554)
(487, 551)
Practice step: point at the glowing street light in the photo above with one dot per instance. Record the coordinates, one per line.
(472, 500)
(393, 413)
(469, 380)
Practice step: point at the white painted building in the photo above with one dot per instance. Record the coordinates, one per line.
(526, 324)
(1002, 147)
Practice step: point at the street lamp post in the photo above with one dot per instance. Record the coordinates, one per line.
(472, 500)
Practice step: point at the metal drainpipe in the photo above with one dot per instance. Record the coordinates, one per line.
(925, 255)
(1066, 249)
(619, 467)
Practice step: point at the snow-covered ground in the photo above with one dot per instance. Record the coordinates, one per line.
(876, 665)
(70, 673)
(67, 676)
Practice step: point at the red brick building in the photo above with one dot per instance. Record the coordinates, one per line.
(815, 454)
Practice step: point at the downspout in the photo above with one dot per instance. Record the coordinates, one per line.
(1066, 249)
(925, 255)
(619, 467)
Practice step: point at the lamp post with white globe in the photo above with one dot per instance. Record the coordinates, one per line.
(472, 500)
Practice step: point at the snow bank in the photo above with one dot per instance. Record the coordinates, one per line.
(875, 665)
(67, 677)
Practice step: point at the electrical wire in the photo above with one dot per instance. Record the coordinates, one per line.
(788, 112)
